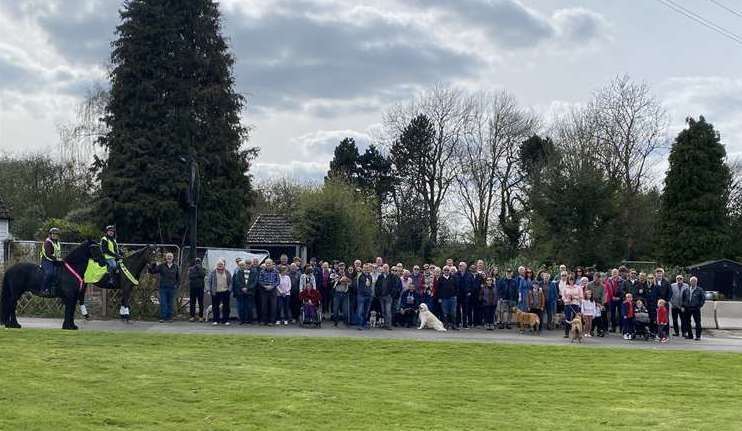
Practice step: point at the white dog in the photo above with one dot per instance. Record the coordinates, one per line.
(428, 319)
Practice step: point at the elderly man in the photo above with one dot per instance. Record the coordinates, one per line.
(677, 290)
(385, 286)
(268, 282)
(169, 281)
(693, 299)
(447, 298)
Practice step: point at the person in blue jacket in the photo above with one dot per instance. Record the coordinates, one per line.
(551, 291)
(525, 282)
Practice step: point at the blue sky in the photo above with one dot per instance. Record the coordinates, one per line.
(316, 71)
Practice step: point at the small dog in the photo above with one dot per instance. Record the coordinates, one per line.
(373, 320)
(526, 320)
(428, 319)
(575, 331)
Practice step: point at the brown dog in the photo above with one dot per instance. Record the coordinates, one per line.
(575, 331)
(526, 320)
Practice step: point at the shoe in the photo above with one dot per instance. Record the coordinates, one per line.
(285, 323)
(215, 323)
(388, 328)
(697, 338)
(226, 323)
(675, 334)
(162, 321)
(336, 323)
(566, 336)
(192, 319)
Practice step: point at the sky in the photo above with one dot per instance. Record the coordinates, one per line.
(316, 71)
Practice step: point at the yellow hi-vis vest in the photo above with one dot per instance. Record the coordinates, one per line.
(113, 248)
(56, 246)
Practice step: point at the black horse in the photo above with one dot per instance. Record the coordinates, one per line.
(28, 277)
(135, 263)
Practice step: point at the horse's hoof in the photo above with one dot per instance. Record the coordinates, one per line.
(72, 327)
(13, 326)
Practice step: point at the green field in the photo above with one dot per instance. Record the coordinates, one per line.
(55, 380)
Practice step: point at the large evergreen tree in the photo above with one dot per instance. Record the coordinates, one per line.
(173, 98)
(694, 222)
(344, 164)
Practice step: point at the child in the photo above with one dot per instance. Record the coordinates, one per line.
(627, 311)
(588, 312)
(598, 318)
(641, 316)
(489, 301)
(284, 296)
(663, 321)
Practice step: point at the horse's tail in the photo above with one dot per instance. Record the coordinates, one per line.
(5, 300)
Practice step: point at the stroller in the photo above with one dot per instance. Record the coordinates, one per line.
(642, 324)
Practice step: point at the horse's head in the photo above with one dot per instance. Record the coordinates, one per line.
(151, 252)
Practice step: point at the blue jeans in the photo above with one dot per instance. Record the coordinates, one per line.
(386, 310)
(245, 308)
(341, 305)
(50, 273)
(362, 309)
(284, 311)
(167, 295)
(448, 309)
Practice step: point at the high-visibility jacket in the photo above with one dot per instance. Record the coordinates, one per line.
(109, 247)
(56, 250)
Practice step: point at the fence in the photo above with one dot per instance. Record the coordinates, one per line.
(101, 303)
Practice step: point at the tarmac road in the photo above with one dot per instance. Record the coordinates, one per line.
(713, 340)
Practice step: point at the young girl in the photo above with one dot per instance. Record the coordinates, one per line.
(663, 321)
(284, 296)
(627, 311)
(588, 312)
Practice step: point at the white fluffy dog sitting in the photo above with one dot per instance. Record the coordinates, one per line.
(428, 319)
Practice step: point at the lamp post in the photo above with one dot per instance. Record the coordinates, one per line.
(192, 201)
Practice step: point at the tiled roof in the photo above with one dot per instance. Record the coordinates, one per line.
(4, 210)
(272, 229)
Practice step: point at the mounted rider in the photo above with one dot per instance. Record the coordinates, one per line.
(109, 247)
(51, 260)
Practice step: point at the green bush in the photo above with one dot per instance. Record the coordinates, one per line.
(71, 231)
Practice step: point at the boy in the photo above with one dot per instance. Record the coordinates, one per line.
(627, 311)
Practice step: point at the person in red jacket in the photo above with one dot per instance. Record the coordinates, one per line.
(663, 321)
(310, 297)
(627, 310)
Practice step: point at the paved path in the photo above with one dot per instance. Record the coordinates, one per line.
(714, 340)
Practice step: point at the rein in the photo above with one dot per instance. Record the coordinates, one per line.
(74, 273)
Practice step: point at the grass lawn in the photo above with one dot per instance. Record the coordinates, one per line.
(55, 380)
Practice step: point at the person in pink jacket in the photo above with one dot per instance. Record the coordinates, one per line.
(572, 297)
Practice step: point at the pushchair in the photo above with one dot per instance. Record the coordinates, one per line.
(642, 326)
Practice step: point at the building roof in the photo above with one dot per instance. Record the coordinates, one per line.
(272, 229)
(716, 264)
(4, 210)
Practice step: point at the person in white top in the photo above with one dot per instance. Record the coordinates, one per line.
(284, 296)
(588, 312)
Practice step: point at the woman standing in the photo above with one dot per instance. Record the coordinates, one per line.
(284, 296)
(572, 297)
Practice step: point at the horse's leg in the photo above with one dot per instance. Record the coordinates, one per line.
(81, 300)
(125, 297)
(70, 300)
(12, 321)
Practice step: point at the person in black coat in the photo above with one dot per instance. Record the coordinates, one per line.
(464, 287)
(196, 280)
(693, 299)
(447, 298)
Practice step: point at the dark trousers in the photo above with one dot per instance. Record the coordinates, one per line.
(407, 316)
(652, 309)
(197, 297)
(245, 308)
(489, 314)
(695, 313)
(284, 312)
(268, 306)
(677, 315)
(476, 312)
(340, 306)
(362, 309)
(220, 298)
(464, 311)
(628, 326)
(326, 296)
(295, 304)
(615, 314)
(540, 313)
(448, 311)
(167, 296)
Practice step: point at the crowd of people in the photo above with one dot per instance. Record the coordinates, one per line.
(462, 296)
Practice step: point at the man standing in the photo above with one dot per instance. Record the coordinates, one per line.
(196, 276)
(364, 289)
(51, 258)
(269, 281)
(220, 283)
(507, 291)
(169, 281)
(677, 290)
(464, 286)
(384, 294)
(447, 298)
(693, 300)
(244, 283)
(551, 294)
(295, 276)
